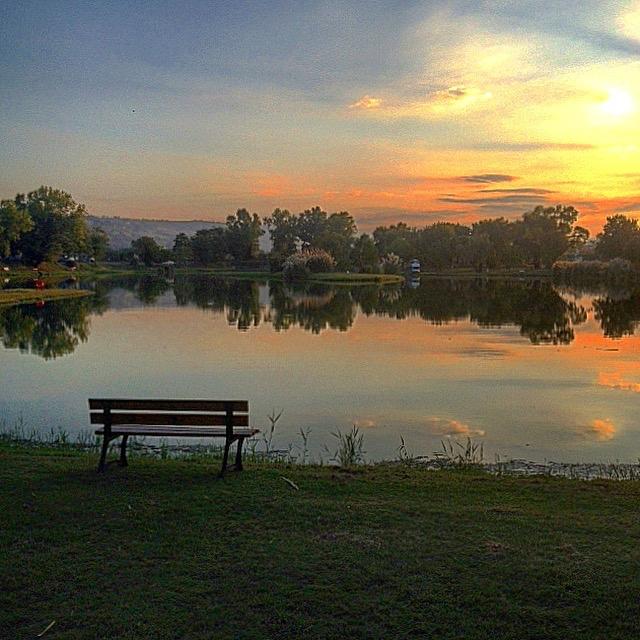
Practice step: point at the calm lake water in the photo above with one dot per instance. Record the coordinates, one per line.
(530, 369)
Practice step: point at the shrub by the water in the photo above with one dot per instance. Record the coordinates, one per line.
(319, 261)
(392, 263)
(301, 264)
(295, 267)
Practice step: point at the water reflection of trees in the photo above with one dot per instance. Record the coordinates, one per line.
(618, 317)
(238, 299)
(49, 331)
(542, 313)
(314, 308)
(536, 307)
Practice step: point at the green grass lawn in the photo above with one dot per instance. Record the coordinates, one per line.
(163, 549)
(19, 296)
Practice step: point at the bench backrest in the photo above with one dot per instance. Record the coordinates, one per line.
(191, 413)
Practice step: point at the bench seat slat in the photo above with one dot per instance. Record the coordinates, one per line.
(180, 419)
(238, 406)
(185, 432)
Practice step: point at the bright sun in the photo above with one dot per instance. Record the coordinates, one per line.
(618, 103)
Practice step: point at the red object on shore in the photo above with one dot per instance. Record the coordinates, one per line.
(39, 304)
(39, 283)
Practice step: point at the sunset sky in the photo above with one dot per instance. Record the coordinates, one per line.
(419, 111)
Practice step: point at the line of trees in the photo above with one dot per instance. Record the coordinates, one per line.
(537, 240)
(48, 223)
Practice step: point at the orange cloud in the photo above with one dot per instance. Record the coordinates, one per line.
(615, 380)
(366, 102)
(601, 430)
(446, 427)
(437, 103)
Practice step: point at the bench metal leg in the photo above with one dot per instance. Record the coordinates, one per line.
(103, 454)
(238, 466)
(123, 452)
(227, 444)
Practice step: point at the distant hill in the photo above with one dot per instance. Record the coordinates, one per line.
(122, 231)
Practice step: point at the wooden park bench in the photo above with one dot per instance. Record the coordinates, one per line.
(121, 418)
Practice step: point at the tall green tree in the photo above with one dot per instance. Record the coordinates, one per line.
(14, 222)
(440, 245)
(97, 243)
(620, 238)
(337, 237)
(148, 250)
(311, 224)
(243, 235)
(579, 237)
(544, 234)
(478, 251)
(398, 239)
(182, 250)
(59, 225)
(364, 255)
(500, 233)
(283, 230)
(209, 246)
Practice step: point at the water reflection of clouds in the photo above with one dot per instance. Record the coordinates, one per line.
(364, 423)
(600, 429)
(438, 426)
(614, 380)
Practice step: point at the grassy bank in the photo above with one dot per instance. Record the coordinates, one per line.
(328, 278)
(20, 296)
(491, 273)
(356, 278)
(55, 273)
(163, 549)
